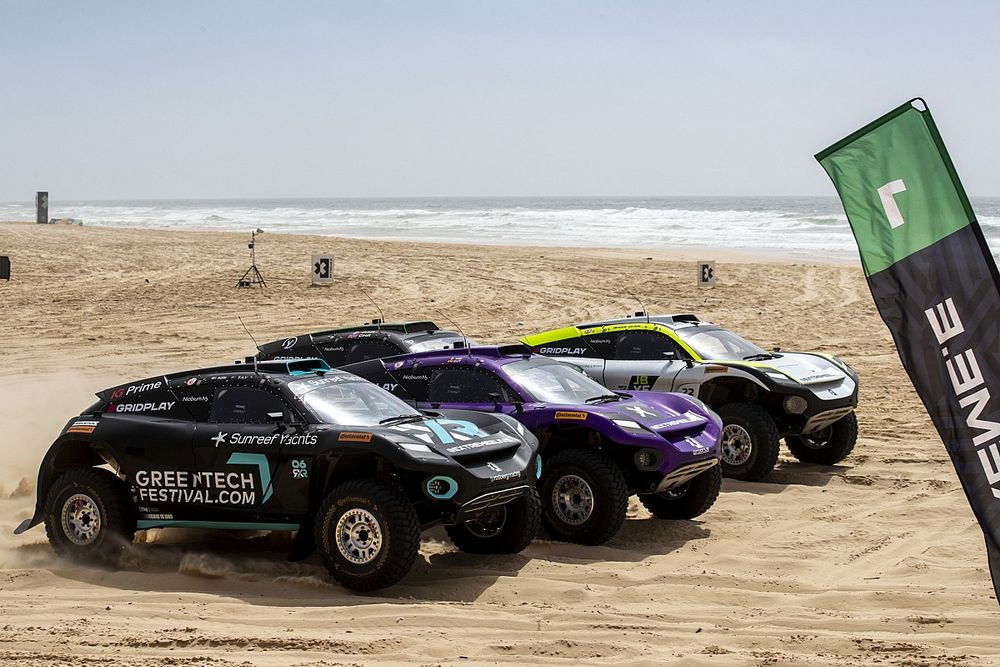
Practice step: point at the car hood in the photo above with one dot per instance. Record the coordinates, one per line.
(458, 436)
(657, 411)
(806, 369)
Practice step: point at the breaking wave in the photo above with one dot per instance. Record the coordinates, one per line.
(795, 226)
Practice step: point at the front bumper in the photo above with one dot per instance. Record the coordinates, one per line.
(475, 507)
(821, 420)
(685, 474)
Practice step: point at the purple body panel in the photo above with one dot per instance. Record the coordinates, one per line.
(682, 429)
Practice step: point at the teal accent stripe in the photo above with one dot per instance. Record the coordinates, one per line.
(260, 461)
(144, 524)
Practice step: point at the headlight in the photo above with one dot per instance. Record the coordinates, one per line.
(795, 405)
(647, 459)
(441, 487)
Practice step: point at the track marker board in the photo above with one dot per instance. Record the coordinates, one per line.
(706, 274)
(321, 269)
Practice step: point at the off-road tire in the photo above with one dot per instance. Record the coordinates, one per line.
(610, 496)
(764, 441)
(399, 532)
(687, 501)
(521, 518)
(829, 446)
(96, 492)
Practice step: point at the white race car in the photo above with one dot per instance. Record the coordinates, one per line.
(806, 398)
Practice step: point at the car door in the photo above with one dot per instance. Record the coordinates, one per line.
(151, 432)
(643, 360)
(581, 352)
(238, 448)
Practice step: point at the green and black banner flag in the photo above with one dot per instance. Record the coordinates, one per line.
(936, 287)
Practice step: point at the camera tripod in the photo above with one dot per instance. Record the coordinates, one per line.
(252, 277)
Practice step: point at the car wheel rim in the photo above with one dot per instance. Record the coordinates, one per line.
(817, 439)
(736, 445)
(359, 536)
(572, 499)
(489, 524)
(81, 519)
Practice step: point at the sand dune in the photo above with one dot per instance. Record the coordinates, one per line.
(877, 560)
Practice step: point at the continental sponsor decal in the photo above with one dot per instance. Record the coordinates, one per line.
(354, 436)
(577, 416)
(82, 427)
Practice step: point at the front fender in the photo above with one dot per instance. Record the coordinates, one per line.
(702, 376)
(70, 450)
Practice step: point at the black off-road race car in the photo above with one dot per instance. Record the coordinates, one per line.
(287, 446)
(374, 340)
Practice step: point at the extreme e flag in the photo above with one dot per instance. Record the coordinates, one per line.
(936, 287)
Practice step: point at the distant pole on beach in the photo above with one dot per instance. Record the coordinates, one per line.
(41, 207)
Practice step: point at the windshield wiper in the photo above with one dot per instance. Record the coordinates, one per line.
(603, 398)
(401, 419)
(760, 356)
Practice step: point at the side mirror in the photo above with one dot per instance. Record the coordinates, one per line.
(669, 355)
(689, 363)
(275, 417)
(495, 398)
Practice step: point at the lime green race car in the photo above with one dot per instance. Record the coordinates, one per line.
(807, 399)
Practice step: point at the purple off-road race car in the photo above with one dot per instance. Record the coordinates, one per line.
(597, 447)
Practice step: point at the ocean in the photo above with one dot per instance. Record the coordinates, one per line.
(796, 227)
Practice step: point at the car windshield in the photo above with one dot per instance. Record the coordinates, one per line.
(355, 404)
(553, 382)
(720, 344)
(441, 343)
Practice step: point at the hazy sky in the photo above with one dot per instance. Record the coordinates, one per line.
(365, 98)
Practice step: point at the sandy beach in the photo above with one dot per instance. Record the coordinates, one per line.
(876, 560)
